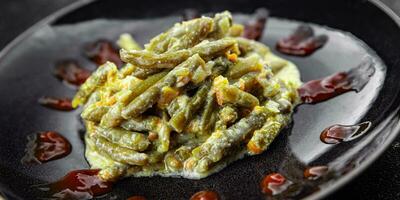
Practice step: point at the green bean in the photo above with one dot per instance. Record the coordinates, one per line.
(226, 116)
(98, 78)
(247, 82)
(94, 112)
(221, 65)
(206, 122)
(226, 93)
(118, 153)
(114, 115)
(143, 86)
(126, 41)
(148, 123)
(200, 74)
(147, 99)
(150, 96)
(263, 137)
(248, 46)
(270, 87)
(163, 135)
(177, 104)
(178, 120)
(127, 70)
(192, 126)
(132, 140)
(207, 50)
(223, 22)
(113, 173)
(148, 59)
(236, 30)
(144, 73)
(172, 164)
(182, 36)
(244, 66)
(217, 144)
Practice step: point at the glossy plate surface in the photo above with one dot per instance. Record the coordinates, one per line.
(26, 68)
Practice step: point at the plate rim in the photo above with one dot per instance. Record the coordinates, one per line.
(332, 187)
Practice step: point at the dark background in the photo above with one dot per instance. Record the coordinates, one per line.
(380, 181)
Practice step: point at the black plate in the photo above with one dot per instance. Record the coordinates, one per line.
(25, 74)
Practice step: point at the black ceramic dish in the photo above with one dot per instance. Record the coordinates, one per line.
(25, 74)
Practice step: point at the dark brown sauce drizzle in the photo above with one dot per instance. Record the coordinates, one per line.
(275, 183)
(102, 51)
(45, 146)
(70, 72)
(189, 14)
(342, 133)
(78, 184)
(255, 26)
(136, 198)
(205, 195)
(302, 42)
(315, 172)
(63, 104)
(315, 91)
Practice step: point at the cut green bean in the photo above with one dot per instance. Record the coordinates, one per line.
(263, 137)
(149, 97)
(182, 36)
(223, 22)
(179, 120)
(120, 154)
(128, 139)
(216, 146)
(148, 123)
(206, 49)
(127, 42)
(230, 94)
(98, 78)
(244, 66)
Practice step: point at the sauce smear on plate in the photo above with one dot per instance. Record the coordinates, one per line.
(255, 26)
(136, 198)
(342, 133)
(315, 91)
(63, 104)
(71, 72)
(275, 183)
(46, 146)
(302, 42)
(78, 184)
(315, 172)
(102, 51)
(205, 195)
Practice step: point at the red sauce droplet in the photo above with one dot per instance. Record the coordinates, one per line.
(63, 104)
(136, 198)
(342, 133)
(102, 51)
(205, 195)
(255, 26)
(71, 72)
(315, 172)
(46, 146)
(190, 13)
(275, 183)
(301, 42)
(315, 91)
(78, 184)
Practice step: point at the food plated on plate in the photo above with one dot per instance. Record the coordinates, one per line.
(194, 99)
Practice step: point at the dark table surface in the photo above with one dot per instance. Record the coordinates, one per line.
(380, 181)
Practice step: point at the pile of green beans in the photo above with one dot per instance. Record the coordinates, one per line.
(193, 97)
